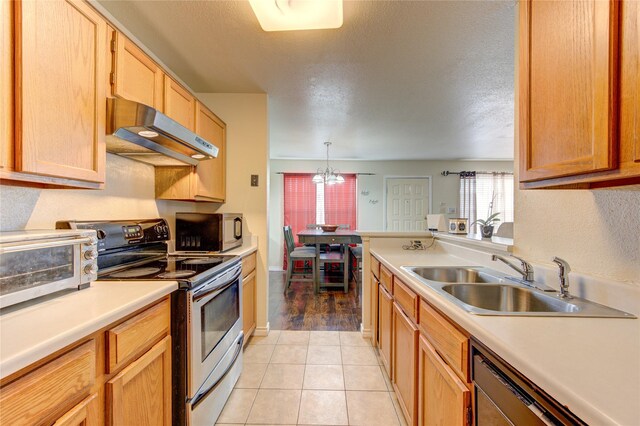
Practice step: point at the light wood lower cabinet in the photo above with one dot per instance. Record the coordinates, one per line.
(80, 415)
(141, 393)
(405, 368)
(443, 399)
(44, 394)
(249, 305)
(385, 327)
(249, 295)
(375, 284)
(120, 375)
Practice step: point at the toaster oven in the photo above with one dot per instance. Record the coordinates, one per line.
(39, 263)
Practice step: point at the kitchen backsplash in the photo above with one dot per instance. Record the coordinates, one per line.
(129, 194)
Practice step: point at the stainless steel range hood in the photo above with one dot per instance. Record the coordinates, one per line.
(139, 132)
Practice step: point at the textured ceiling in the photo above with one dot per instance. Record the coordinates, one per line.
(399, 80)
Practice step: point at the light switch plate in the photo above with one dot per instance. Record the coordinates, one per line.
(254, 180)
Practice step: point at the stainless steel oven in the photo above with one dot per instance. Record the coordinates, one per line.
(215, 329)
(206, 311)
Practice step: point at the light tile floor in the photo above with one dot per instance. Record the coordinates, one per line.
(312, 378)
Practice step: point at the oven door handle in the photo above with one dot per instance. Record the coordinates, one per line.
(200, 396)
(215, 287)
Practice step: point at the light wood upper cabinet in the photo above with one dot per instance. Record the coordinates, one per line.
(405, 368)
(141, 393)
(578, 87)
(630, 89)
(443, 399)
(6, 84)
(135, 76)
(211, 174)
(206, 181)
(567, 87)
(61, 92)
(179, 103)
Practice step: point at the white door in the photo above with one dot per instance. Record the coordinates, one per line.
(407, 203)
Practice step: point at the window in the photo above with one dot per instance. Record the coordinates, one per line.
(483, 193)
(306, 203)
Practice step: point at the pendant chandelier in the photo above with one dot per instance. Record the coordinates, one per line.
(329, 175)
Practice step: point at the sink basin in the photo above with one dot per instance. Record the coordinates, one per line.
(508, 298)
(483, 291)
(454, 274)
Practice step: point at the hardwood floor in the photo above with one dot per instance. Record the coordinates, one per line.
(301, 309)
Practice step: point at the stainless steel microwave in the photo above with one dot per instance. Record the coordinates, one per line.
(208, 232)
(38, 263)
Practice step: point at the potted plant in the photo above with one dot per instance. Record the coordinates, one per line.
(486, 225)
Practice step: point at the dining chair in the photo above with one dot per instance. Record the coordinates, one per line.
(355, 265)
(305, 254)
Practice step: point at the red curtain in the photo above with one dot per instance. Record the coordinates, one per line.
(340, 203)
(299, 204)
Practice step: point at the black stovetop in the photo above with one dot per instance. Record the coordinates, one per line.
(172, 267)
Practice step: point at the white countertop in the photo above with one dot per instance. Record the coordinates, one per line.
(591, 365)
(32, 333)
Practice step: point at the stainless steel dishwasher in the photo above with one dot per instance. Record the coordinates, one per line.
(503, 396)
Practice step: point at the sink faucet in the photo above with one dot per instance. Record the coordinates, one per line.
(526, 271)
(564, 277)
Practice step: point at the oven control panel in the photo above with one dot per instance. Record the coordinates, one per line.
(123, 233)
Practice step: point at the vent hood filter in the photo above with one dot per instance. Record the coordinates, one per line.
(139, 132)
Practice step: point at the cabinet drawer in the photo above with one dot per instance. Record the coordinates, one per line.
(46, 393)
(386, 279)
(450, 342)
(406, 298)
(248, 264)
(375, 266)
(137, 334)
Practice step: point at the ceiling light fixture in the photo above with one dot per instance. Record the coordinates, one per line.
(287, 15)
(329, 175)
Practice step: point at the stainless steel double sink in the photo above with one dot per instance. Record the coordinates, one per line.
(483, 291)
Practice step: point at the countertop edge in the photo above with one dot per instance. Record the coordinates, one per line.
(23, 357)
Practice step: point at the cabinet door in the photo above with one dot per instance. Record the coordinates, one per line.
(135, 76)
(179, 104)
(630, 88)
(6, 85)
(210, 174)
(405, 368)
(568, 86)
(374, 309)
(81, 414)
(443, 399)
(50, 390)
(385, 318)
(141, 393)
(249, 305)
(61, 97)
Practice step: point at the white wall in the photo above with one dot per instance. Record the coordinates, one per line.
(596, 231)
(246, 116)
(370, 215)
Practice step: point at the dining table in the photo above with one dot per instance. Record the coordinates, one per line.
(318, 237)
